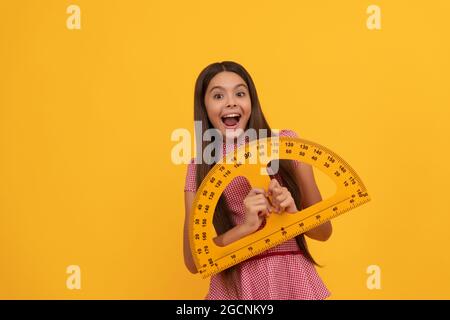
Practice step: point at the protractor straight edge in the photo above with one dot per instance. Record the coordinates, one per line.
(210, 258)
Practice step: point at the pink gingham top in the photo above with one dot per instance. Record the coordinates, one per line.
(280, 273)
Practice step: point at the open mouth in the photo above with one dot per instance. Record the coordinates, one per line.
(231, 120)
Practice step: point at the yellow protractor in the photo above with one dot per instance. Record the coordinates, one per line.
(250, 160)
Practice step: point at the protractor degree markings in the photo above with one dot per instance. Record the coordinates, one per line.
(277, 231)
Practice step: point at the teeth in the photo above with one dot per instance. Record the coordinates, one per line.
(231, 115)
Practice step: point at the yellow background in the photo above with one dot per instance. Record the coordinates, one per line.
(86, 115)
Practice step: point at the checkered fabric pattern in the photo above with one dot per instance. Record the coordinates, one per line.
(280, 273)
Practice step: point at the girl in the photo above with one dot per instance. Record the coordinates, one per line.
(226, 99)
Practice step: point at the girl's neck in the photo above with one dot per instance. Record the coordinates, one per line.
(239, 140)
(229, 144)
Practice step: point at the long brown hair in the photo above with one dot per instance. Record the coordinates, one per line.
(221, 219)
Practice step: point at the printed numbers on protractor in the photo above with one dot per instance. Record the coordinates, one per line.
(210, 258)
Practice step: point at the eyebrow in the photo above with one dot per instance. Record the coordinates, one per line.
(241, 84)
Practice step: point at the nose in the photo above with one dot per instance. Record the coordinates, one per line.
(231, 102)
(231, 105)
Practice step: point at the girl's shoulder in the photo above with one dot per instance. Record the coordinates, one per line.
(287, 133)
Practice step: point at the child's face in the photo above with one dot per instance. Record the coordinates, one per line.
(228, 104)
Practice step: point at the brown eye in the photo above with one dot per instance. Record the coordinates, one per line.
(218, 94)
(243, 93)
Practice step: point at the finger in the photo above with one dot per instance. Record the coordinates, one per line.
(259, 190)
(257, 197)
(279, 208)
(255, 191)
(261, 209)
(274, 184)
(286, 203)
(256, 200)
(282, 197)
(268, 203)
(269, 207)
(260, 196)
(277, 191)
(276, 199)
(259, 203)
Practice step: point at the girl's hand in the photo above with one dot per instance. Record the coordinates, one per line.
(281, 198)
(257, 208)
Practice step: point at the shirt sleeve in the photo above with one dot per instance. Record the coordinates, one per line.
(292, 134)
(190, 184)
